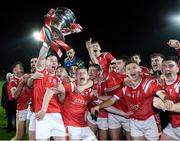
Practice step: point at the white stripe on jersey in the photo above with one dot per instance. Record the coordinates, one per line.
(144, 84)
(147, 86)
(177, 86)
(72, 86)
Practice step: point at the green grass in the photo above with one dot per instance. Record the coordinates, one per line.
(3, 121)
(3, 124)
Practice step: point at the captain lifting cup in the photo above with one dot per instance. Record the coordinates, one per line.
(59, 23)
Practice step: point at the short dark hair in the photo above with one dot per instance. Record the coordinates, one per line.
(82, 68)
(135, 54)
(96, 66)
(156, 55)
(113, 63)
(129, 62)
(171, 58)
(16, 63)
(74, 65)
(124, 58)
(95, 42)
(70, 47)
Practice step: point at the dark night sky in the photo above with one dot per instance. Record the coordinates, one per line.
(121, 27)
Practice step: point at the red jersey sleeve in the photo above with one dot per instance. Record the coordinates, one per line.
(152, 88)
(109, 57)
(119, 94)
(68, 87)
(13, 83)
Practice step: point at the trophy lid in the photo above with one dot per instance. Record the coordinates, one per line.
(65, 16)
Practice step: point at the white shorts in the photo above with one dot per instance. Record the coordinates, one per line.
(80, 133)
(116, 121)
(32, 123)
(102, 123)
(172, 132)
(147, 128)
(21, 114)
(51, 125)
(29, 113)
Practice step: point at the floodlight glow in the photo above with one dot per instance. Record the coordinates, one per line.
(175, 18)
(36, 35)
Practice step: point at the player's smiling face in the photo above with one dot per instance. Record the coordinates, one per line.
(133, 71)
(96, 47)
(51, 64)
(93, 73)
(70, 54)
(33, 63)
(169, 69)
(82, 76)
(156, 63)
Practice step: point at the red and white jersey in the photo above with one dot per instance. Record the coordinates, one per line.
(24, 96)
(139, 99)
(99, 87)
(75, 106)
(114, 82)
(39, 89)
(121, 105)
(173, 91)
(14, 81)
(105, 59)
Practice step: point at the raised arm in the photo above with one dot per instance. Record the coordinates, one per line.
(174, 44)
(91, 52)
(40, 65)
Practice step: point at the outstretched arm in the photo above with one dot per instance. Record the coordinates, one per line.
(47, 97)
(40, 65)
(105, 104)
(91, 52)
(114, 110)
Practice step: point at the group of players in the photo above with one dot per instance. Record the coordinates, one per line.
(115, 98)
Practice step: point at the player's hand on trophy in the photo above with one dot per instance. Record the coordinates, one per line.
(48, 36)
(174, 44)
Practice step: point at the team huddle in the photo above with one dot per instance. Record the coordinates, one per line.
(114, 98)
